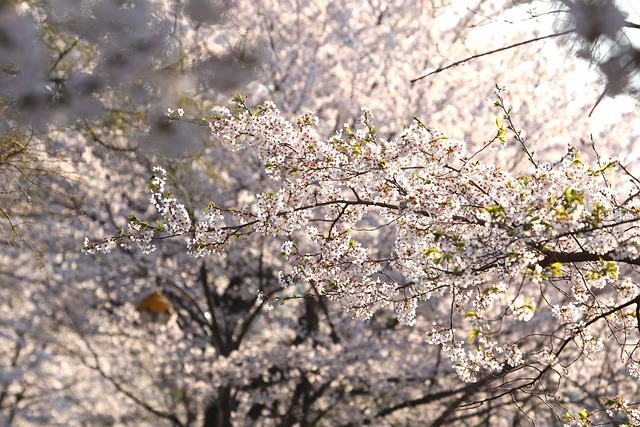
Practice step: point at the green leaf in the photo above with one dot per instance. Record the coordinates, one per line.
(496, 211)
(572, 196)
(607, 167)
(610, 269)
(576, 160)
(430, 251)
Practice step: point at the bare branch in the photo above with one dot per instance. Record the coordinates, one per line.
(491, 52)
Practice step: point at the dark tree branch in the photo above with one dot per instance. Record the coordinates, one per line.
(604, 91)
(97, 367)
(63, 54)
(491, 52)
(425, 400)
(216, 333)
(573, 257)
(628, 24)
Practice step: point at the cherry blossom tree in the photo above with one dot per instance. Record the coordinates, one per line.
(398, 225)
(373, 222)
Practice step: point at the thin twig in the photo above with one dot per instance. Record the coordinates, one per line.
(62, 55)
(476, 56)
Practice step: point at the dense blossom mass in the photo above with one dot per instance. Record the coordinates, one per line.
(373, 222)
(318, 271)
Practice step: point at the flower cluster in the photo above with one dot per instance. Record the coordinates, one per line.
(141, 233)
(440, 335)
(102, 247)
(620, 405)
(514, 356)
(547, 357)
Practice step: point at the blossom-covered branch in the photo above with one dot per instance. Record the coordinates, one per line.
(373, 222)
